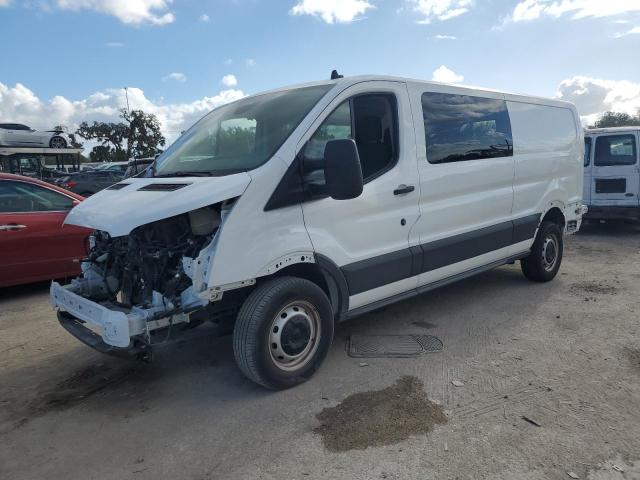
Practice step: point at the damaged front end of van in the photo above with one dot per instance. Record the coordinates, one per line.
(144, 280)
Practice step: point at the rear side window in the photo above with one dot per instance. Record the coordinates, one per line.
(587, 151)
(22, 197)
(462, 127)
(616, 150)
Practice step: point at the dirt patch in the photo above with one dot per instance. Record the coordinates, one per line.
(633, 354)
(76, 388)
(381, 417)
(593, 288)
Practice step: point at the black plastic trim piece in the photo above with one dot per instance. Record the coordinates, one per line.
(118, 186)
(431, 286)
(525, 228)
(378, 271)
(391, 267)
(163, 187)
(334, 275)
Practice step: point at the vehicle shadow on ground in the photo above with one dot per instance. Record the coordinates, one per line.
(609, 229)
(20, 292)
(203, 369)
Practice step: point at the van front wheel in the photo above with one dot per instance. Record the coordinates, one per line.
(283, 332)
(544, 261)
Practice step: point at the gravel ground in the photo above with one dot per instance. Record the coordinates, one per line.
(534, 382)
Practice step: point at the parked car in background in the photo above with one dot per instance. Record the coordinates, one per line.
(612, 173)
(18, 135)
(137, 166)
(116, 167)
(89, 182)
(35, 245)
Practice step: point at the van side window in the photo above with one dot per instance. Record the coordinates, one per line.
(615, 150)
(371, 120)
(462, 127)
(587, 151)
(337, 126)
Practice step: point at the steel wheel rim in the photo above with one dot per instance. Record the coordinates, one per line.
(57, 143)
(550, 252)
(294, 335)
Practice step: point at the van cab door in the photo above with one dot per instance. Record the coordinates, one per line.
(615, 175)
(368, 237)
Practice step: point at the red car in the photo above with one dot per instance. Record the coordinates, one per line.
(34, 243)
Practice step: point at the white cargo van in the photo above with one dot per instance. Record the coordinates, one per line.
(612, 174)
(280, 214)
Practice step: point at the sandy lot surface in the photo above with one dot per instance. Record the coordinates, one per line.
(548, 375)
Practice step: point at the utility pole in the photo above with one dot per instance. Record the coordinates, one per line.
(126, 94)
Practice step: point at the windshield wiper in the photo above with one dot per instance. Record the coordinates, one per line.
(184, 173)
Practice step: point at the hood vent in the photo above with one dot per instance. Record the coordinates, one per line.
(118, 186)
(163, 187)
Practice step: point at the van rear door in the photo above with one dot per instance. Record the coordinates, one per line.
(615, 174)
(586, 184)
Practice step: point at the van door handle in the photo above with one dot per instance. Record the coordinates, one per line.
(11, 227)
(402, 189)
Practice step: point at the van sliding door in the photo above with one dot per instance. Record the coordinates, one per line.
(465, 161)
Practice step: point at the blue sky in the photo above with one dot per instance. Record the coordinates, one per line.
(65, 60)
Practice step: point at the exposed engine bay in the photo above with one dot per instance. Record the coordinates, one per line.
(151, 257)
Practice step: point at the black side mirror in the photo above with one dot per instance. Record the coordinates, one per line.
(342, 170)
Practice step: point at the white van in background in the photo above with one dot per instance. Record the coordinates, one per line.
(612, 174)
(280, 214)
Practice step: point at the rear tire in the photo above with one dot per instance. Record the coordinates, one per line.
(544, 261)
(283, 332)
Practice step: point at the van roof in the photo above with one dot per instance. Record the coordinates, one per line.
(611, 130)
(348, 81)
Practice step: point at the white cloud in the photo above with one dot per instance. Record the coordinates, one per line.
(114, 44)
(175, 77)
(633, 31)
(4, 3)
(249, 62)
(527, 10)
(446, 75)
(593, 96)
(332, 11)
(439, 9)
(229, 81)
(204, 18)
(228, 61)
(445, 37)
(134, 12)
(19, 104)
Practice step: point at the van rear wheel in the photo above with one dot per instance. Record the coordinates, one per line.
(544, 261)
(283, 332)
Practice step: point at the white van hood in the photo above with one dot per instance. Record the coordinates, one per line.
(118, 211)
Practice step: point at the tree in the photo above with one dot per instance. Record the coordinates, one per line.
(144, 138)
(139, 137)
(617, 119)
(111, 137)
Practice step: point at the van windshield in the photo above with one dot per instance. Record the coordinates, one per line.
(240, 136)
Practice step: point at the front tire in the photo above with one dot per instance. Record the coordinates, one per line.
(57, 142)
(544, 261)
(283, 332)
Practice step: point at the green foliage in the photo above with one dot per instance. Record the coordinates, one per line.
(139, 137)
(617, 119)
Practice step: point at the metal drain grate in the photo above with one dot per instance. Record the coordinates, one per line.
(392, 346)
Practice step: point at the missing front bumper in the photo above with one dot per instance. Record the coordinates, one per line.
(78, 329)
